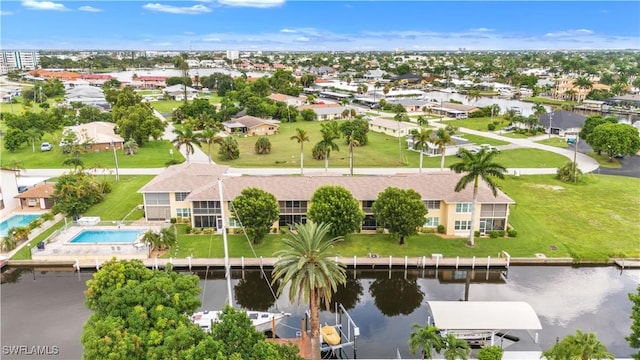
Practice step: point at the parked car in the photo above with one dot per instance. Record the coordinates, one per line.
(571, 141)
(509, 128)
(472, 150)
(45, 146)
(488, 147)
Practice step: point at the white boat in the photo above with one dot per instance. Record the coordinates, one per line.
(263, 321)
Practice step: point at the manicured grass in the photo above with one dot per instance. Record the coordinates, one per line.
(483, 140)
(480, 124)
(25, 252)
(603, 160)
(122, 199)
(165, 106)
(517, 135)
(551, 217)
(555, 141)
(547, 101)
(153, 154)
(530, 158)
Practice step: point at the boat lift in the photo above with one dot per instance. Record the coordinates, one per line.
(479, 322)
(346, 329)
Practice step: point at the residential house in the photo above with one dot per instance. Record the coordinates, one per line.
(8, 191)
(392, 127)
(95, 136)
(629, 101)
(87, 95)
(39, 196)
(411, 105)
(564, 87)
(374, 75)
(289, 100)
(190, 191)
(562, 122)
(431, 149)
(149, 82)
(325, 111)
(453, 110)
(250, 125)
(407, 79)
(176, 92)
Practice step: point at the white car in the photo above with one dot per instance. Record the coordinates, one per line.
(45, 146)
(489, 147)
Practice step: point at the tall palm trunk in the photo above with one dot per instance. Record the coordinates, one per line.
(442, 159)
(473, 212)
(315, 324)
(301, 159)
(326, 160)
(421, 153)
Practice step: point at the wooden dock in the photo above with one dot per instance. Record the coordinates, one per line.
(402, 262)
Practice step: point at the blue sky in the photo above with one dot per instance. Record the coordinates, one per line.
(319, 25)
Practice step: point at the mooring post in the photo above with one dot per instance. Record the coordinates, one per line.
(424, 261)
(457, 261)
(242, 262)
(354, 261)
(390, 261)
(406, 259)
(97, 264)
(77, 265)
(473, 262)
(171, 260)
(488, 261)
(437, 261)
(156, 263)
(261, 264)
(189, 259)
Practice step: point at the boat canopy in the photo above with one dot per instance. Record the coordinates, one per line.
(484, 315)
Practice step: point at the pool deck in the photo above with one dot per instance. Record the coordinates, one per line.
(59, 249)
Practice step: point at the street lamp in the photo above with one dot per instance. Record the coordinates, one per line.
(115, 158)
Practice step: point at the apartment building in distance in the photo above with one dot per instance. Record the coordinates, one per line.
(189, 191)
(18, 60)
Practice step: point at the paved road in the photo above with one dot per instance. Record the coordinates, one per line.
(198, 155)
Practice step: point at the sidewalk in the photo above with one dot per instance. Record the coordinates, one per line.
(198, 155)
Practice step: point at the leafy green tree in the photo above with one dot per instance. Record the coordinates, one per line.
(490, 353)
(306, 264)
(262, 146)
(229, 149)
(130, 147)
(634, 337)
(256, 210)
(336, 206)
(133, 118)
(615, 139)
(455, 348)
(477, 167)
(75, 193)
(301, 136)
(330, 132)
(308, 114)
(186, 138)
(538, 109)
(74, 162)
(581, 346)
(443, 137)
(399, 210)
(568, 172)
(474, 95)
(14, 139)
(355, 129)
(426, 337)
(141, 313)
(209, 136)
(592, 121)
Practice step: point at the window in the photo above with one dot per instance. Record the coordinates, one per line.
(183, 212)
(432, 204)
(462, 225)
(463, 208)
(157, 198)
(233, 222)
(180, 196)
(432, 222)
(206, 207)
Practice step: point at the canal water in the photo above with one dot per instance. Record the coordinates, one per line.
(46, 308)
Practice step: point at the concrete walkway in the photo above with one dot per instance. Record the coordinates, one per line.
(198, 155)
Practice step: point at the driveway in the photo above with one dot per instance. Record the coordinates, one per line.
(198, 155)
(630, 164)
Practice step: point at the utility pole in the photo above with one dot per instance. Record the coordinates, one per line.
(550, 122)
(575, 155)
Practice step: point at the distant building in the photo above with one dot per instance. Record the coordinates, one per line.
(250, 125)
(19, 60)
(233, 54)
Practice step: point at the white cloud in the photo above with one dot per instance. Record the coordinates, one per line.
(252, 3)
(89, 9)
(43, 5)
(566, 33)
(288, 31)
(5, 13)
(482, 29)
(302, 38)
(192, 10)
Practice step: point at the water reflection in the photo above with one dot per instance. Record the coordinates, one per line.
(348, 294)
(395, 294)
(252, 283)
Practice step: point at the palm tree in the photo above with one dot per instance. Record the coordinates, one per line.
(582, 82)
(455, 348)
(538, 109)
(308, 266)
(401, 116)
(186, 138)
(428, 338)
(168, 237)
(442, 139)
(130, 147)
(473, 95)
(581, 346)
(420, 140)
(422, 120)
(477, 166)
(330, 132)
(209, 136)
(570, 94)
(351, 142)
(301, 136)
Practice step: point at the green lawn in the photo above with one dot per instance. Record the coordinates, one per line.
(551, 217)
(517, 135)
(483, 140)
(122, 199)
(530, 158)
(165, 106)
(152, 155)
(555, 141)
(480, 124)
(603, 160)
(547, 101)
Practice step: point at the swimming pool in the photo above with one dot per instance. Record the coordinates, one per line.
(106, 236)
(17, 220)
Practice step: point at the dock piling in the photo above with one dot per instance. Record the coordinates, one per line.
(354, 261)
(97, 264)
(390, 261)
(156, 262)
(406, 262)
(473, 263)
(242, 262)
(457, 261)
(261, 263)
(488, 261)
(189, 259)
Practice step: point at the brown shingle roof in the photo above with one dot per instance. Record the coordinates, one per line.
(249, 121)
(184, 177)
(433, 186)
(42, 191)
